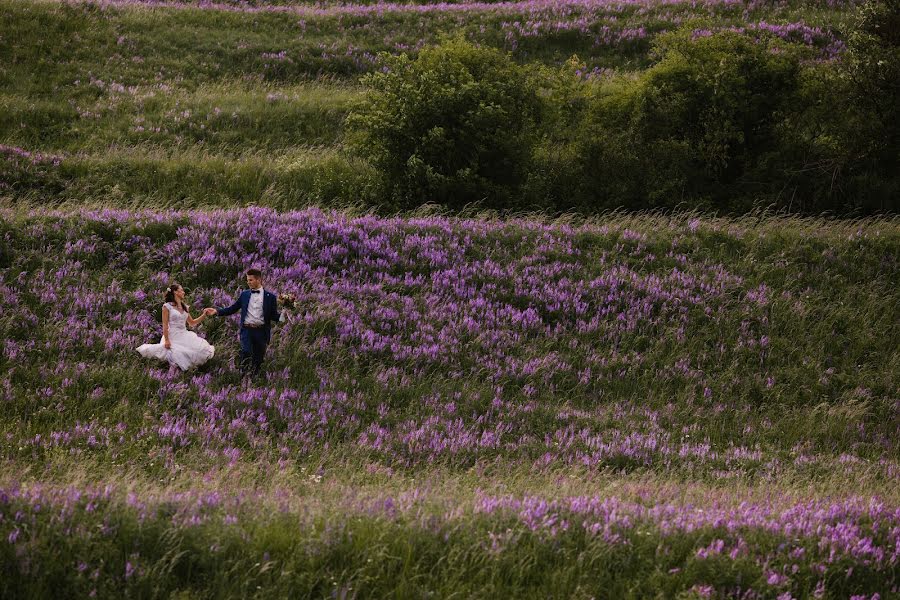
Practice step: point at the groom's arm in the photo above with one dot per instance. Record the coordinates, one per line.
(278, 315)
(224, 312)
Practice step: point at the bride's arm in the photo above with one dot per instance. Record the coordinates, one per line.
(165, 320)
(191, 321)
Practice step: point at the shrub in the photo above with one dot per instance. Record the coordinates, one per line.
(454, 126)
(872, 69)
(839, 146)
(694, 127)
(556, 165)
(872, 64)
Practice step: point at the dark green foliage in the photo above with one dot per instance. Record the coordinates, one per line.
(455, 126)
(728, 122)
(838, 148)
(722, 121)
(872, 65)
(872, 69)
(209, 108)
(695, 128)
(715, 101)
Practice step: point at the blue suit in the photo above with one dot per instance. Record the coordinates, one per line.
(254, 340)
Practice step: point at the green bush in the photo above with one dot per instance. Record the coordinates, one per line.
(872, 65)
(556, 161)
(871, 68)
(696, 127)
(839, 146)
(455, 126)
(723, 121)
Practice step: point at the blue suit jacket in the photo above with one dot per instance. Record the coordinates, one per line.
(270, 309)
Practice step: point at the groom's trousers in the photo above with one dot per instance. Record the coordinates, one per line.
(253, 348)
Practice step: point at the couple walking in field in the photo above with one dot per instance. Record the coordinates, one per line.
(185, 349)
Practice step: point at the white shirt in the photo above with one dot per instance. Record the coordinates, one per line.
(255, 308)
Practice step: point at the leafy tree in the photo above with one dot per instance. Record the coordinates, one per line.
(872, 67)
(455, 126)
(701, 119)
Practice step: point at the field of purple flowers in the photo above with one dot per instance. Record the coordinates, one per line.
(622, 407)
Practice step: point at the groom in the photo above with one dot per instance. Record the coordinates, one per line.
(259, 308)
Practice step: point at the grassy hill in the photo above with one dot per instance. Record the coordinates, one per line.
(638, 406)
(134, 103)
(641, 406)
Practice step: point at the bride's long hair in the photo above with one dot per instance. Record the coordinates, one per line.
(170, 292)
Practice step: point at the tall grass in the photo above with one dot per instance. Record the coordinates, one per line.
(730, 426)
(656, 405)
(86, 82)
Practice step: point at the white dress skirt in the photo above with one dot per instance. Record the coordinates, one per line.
(188, 349)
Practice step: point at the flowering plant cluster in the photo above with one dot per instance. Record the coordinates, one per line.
(677, 349)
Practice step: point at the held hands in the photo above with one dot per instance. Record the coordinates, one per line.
(209, 312)
(287, 300)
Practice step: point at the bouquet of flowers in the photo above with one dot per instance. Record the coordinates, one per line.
(287, 300)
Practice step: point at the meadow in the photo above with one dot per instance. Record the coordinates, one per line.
(134, 104)
(622, 407)
(461, 405)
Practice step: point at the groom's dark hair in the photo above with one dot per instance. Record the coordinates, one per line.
(254, 272)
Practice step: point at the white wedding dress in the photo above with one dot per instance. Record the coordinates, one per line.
(188, 349)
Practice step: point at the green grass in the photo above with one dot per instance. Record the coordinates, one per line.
(188, 116)
(225, 116)
(193, 177)
(112, 90)
(238, 507)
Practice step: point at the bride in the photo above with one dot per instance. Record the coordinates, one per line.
(178, 346)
